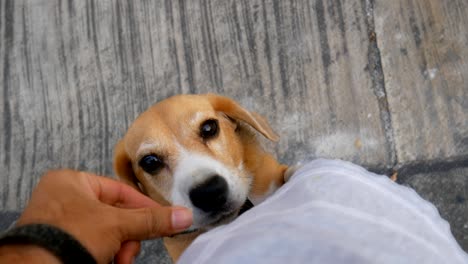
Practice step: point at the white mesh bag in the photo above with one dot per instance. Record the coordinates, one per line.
(333, 212)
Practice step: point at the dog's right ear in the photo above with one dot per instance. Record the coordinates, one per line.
(123, 166)
(234, 110)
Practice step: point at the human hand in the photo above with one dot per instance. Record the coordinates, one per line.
(108, 217)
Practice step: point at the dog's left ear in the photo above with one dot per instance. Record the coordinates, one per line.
(235, 111)
(123, 166)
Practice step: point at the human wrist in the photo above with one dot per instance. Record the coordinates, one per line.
(55, 240)
(26, 254)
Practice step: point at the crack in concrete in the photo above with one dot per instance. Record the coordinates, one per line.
(408, 170)
(378, 82)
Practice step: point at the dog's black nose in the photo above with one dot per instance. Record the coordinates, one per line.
(211, 195)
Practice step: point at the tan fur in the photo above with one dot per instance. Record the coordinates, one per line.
(172, 124)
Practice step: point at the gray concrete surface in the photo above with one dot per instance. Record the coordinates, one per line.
(424, 60)
(379, 83)
(447, 189)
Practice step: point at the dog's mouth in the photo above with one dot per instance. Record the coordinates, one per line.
(222, 219)
(245, 207)
(229, 216)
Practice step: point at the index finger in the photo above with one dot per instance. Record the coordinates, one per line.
(118, 194)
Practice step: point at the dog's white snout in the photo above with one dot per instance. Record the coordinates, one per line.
(198, 175)
(206, 186)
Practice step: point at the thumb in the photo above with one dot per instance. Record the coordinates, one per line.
(152, 222)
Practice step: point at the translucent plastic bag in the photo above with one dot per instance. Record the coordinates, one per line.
(333, 212)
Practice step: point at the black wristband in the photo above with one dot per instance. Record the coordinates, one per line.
(58, 242)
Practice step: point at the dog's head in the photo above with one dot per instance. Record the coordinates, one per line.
(188, 150)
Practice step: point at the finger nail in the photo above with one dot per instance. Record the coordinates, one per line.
(181, 219)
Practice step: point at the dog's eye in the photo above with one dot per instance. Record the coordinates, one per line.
(151, 164)
(209, 129)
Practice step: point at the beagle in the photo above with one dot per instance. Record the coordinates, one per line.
(199, 151)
